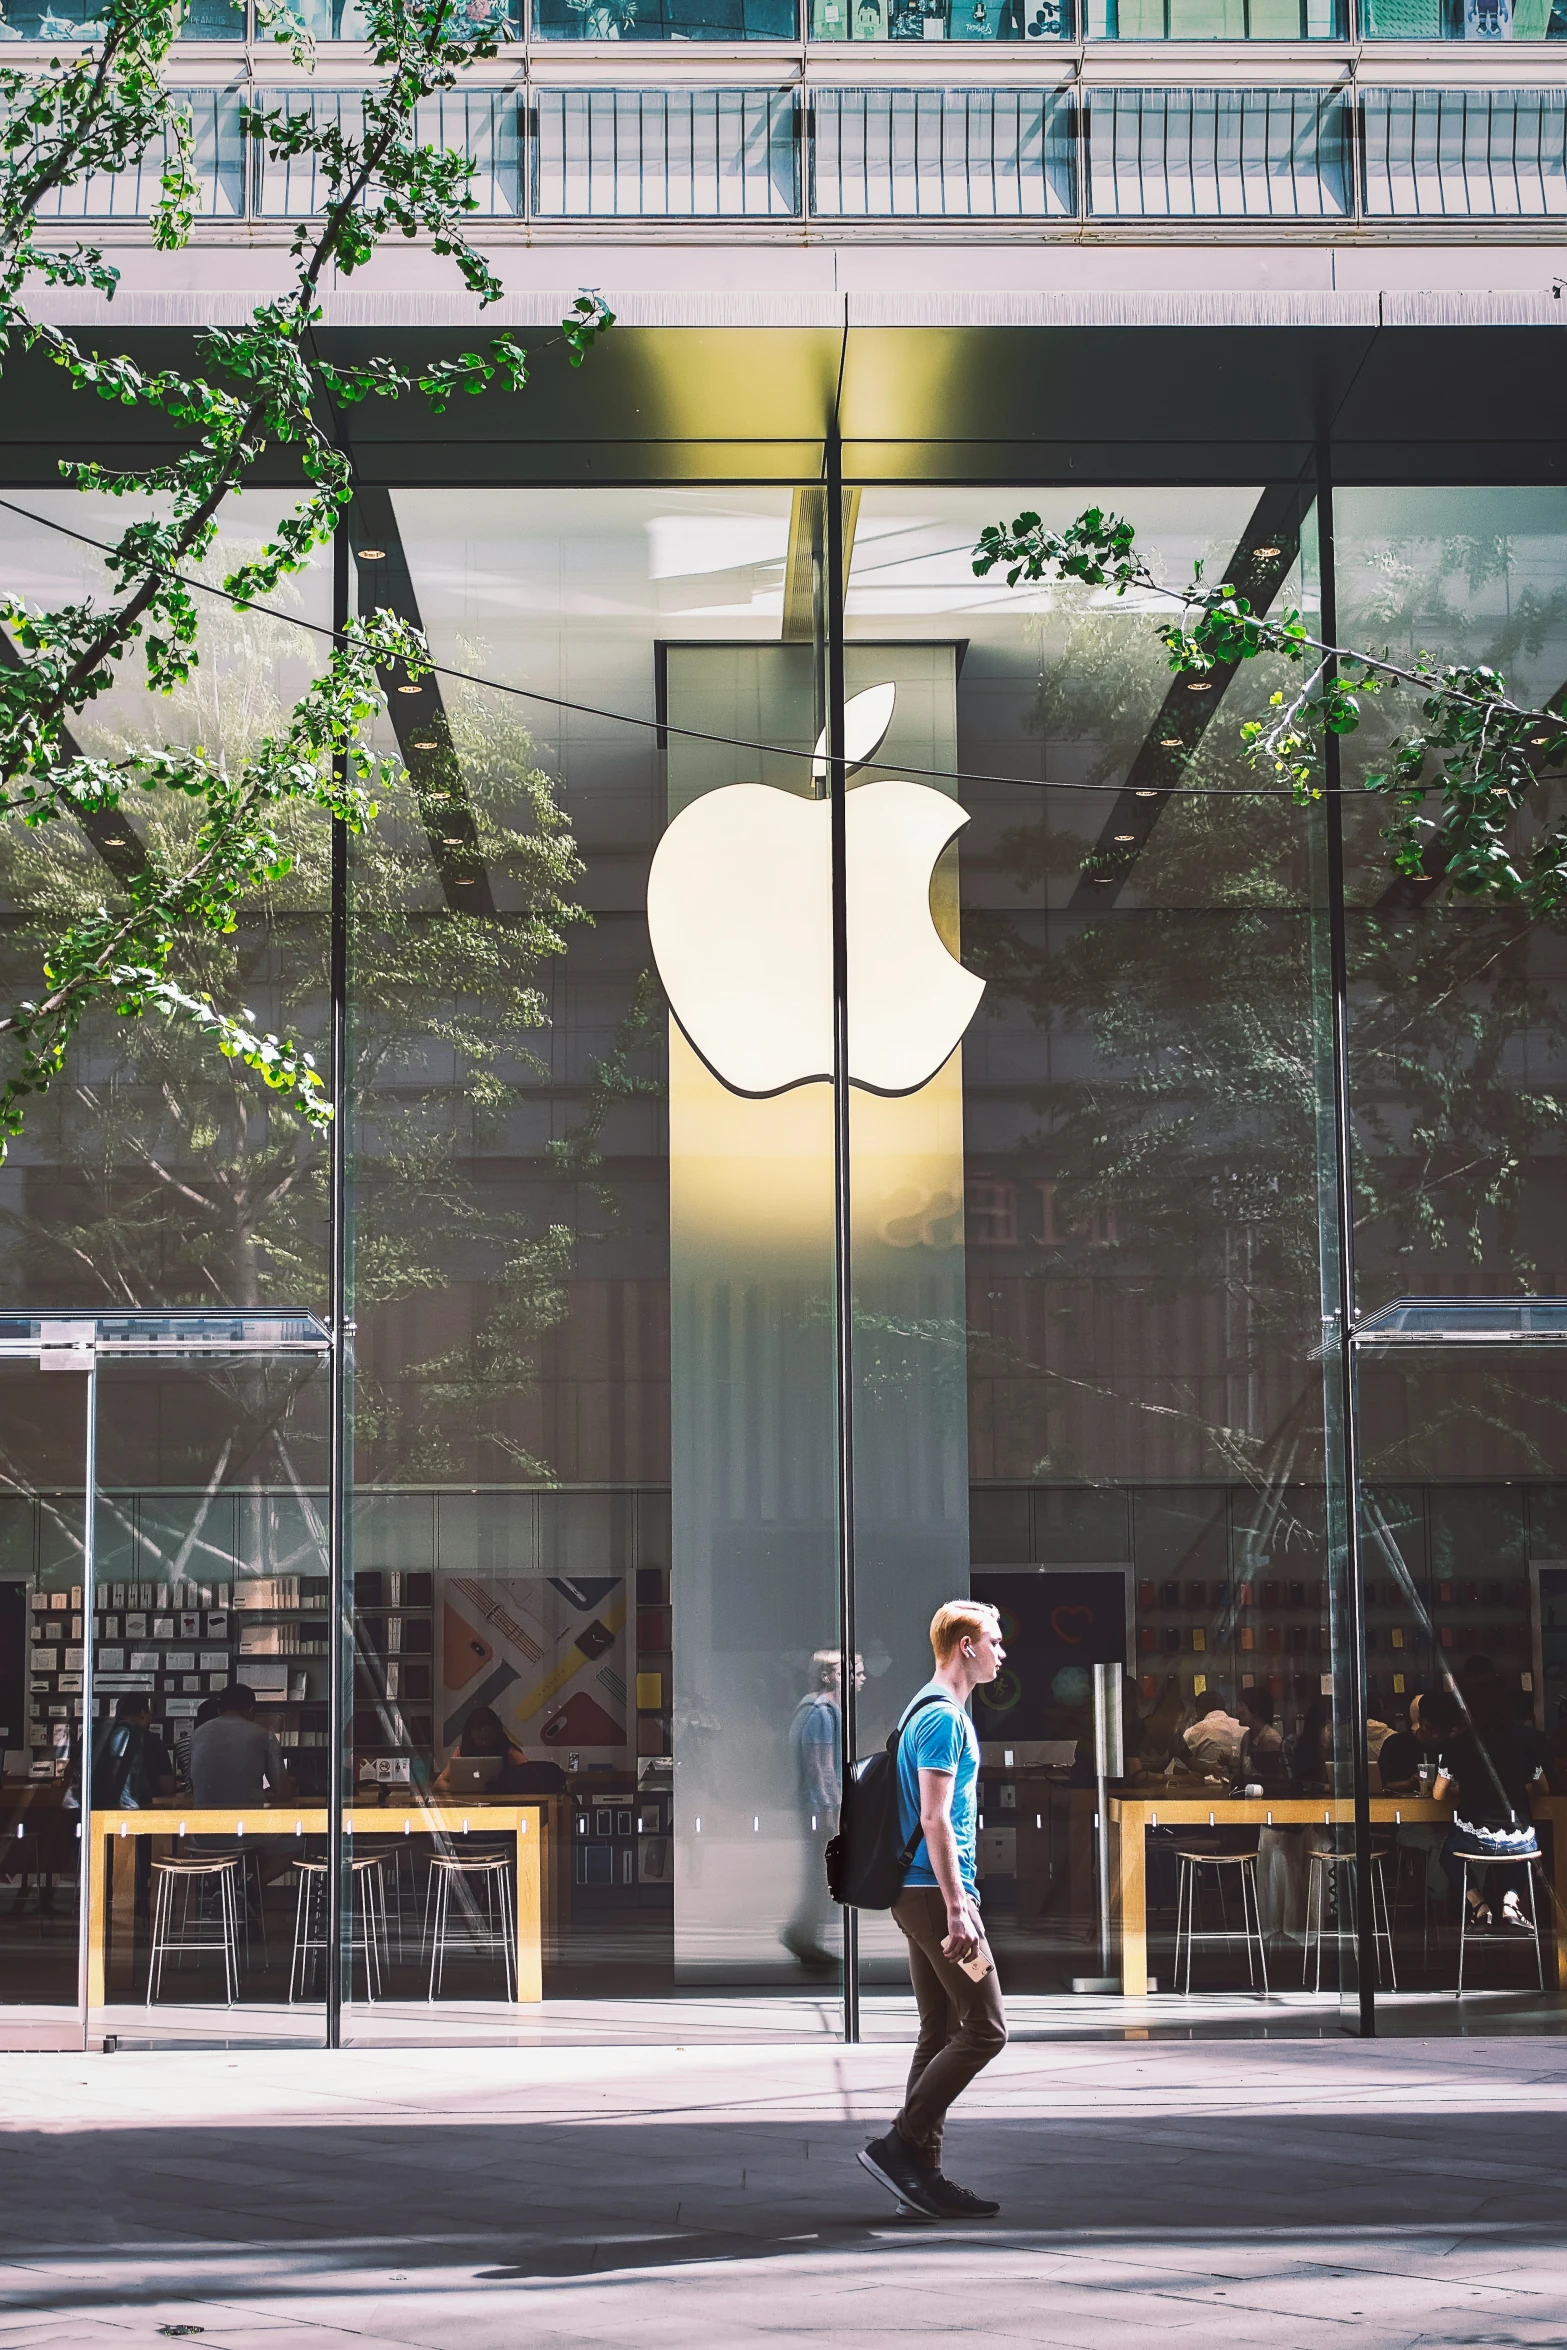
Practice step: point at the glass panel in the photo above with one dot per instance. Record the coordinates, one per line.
(1240, 153)
(1465, 1578)
(343, 20)
(593, 1535)
(43, 1440)
(1216, 20)
(665, 20)
(1496, 153)
(941, 20)
(1458, 1026)
(218, 158)
(209, 1836)
(159, 1174)
(81, 20)
(1087, 1265)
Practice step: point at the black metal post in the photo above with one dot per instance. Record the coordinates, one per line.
(1344, 1188)
(843, 1265)
(340, 1620)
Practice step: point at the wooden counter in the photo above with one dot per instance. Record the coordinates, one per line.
(529, 1820)
(1131, 1816)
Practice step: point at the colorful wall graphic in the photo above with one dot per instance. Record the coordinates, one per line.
(546, 1652)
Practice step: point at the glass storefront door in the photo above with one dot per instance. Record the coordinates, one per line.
(1463, 1540)
(211, 1576)
(166, 1650)
(43, 1605)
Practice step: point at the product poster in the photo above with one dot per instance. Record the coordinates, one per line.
(547, 1653)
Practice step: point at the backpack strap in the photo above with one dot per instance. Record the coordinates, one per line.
(894, 1745)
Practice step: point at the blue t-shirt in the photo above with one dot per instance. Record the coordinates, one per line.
(940, 1739)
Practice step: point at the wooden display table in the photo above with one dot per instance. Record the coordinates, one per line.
(529, 1820)
(1131, 1816)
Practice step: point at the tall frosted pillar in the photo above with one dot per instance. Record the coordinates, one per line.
(752, 1431)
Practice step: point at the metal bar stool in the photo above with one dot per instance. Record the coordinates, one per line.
(25, 1851)
(1529, 1862)
(216, 1872)
(1186, 1903)
(366, 1923)
(492, 1929)
(400, 1904)
(1322, 1866)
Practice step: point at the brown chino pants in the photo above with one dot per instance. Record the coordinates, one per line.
(962, 2023)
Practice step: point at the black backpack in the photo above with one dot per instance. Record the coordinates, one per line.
(868, 1859)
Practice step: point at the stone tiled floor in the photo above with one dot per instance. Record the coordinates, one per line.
(1391, 2194)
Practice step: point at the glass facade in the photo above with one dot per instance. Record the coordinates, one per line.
(544, 1636)
(218, 24)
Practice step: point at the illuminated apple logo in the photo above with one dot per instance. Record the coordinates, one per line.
(739, 904)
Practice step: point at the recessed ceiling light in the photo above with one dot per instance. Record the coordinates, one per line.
(372, 554)
(465, 881)
(1265, 550)
(1126, 836)
(116, 840)
(410, 689)
(1194, 685)
(1146, 795)
(1103, 879)
(424, 742)
(1170, 742)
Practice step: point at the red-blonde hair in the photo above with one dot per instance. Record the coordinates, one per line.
(957, 1620)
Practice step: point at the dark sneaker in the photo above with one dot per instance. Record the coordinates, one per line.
(891, 2162)
(955, 2202)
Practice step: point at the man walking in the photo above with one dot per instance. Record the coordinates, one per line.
(962, 2022)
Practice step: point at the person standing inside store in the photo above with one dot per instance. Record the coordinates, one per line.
(816, 1743)
(131, 1765)
(962, 2024)
(131, 1769)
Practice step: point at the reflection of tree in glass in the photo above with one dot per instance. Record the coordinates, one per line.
(1458, 1021)
(173, 1181)
(1173, 1127)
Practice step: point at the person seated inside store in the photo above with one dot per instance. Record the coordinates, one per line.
(1159, 1735)
(1398, 1763)
(233, 1760)
(1210, 1746)
(1488, 1770)
(485, 1733)
(1262, 1761)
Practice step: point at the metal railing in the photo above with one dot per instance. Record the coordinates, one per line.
(1218, 155)
(1464, 154)
(665, 154)
(969, 154)
(863, 155)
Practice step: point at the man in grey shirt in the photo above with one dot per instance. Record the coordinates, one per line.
(233, 1760)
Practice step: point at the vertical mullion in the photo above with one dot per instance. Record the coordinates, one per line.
(843, 1268)
(1343, 1187)
(341, 1617)
(87, 1864)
